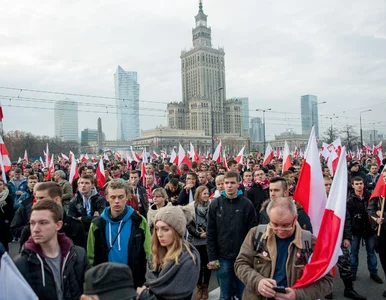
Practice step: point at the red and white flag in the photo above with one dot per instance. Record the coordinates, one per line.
(2, 169)
(65, 157)
(100, 174)
(26, 156)
(47, 157)
(182, 157)
(1, 113)
(268, 155)
(143, 166)
(174, 157)
(239, 156)
(74, 172)
(155, 155)
(135, 155)
(310, 191)
(5, 156)
(225, 163)
(377, 150)
(327, 247)
(380, 188)
(287, 162)
(93, 159)
(51, 167)
(19, 160)
(193, 153)
(217, 152)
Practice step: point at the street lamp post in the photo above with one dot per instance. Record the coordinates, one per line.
(360, 124)
(263, 110)
(312, 115)
(212, 116)
(374, 123)
(334, 117)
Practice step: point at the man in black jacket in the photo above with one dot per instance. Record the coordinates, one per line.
(72, 228)
(361, 228)
(230, 218)
(187, 194)
(50, 263)
(87, 203)
(140, 192)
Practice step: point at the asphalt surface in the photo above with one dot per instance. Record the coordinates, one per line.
(363, 285)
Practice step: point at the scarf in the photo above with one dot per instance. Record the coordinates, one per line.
(247, 185)
(175, 281)
(3, 198)
(264, 184)
(202, 214)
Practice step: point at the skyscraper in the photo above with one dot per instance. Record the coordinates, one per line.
(309, 112)
(245, 116)
(256, 132)
(203, 83)
(66, 120)
(127, 101)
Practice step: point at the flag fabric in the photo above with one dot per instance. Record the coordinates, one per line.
(296, 152)
(47, 157)
(65, 157)
(310, 191)
(74, 172)
(327, 247)
(135, 155)
(154, 155)
(377, 151)
(93, 159)
(1, 113)
(239, 156)
(19, 160)
(143, 167)
(268, 155)
(100, 174)
(26, 155)
(217, 152)
(2, 169)
(5, 156)
(225, 164)
(287, 163)
(380, 188)
(50, 167)
(182, 158)
(174, 157)
(41, 161)
(193, 153)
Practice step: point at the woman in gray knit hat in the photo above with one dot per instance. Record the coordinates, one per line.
(174, 264)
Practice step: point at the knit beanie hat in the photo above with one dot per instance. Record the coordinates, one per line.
(175, 216)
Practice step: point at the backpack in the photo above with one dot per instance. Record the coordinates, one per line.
(306, 241)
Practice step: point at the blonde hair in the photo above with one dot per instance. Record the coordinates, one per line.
(161, 256)
(219, 178)
(197, 195)
(162, 192)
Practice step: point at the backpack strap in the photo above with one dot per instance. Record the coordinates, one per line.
(307, 243)
(260, 229)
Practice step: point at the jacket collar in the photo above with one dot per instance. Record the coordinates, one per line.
(64, 243)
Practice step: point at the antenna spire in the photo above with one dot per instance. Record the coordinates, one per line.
(200, 6)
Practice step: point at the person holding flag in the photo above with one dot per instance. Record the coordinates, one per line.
(376, 211)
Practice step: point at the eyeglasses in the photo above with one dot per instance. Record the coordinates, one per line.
(282, 228)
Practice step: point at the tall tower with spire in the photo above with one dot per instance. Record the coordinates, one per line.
(203, 83)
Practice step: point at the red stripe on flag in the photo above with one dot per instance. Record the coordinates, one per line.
(302, 192)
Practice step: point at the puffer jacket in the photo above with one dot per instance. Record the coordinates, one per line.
(229, 221)
(33, 266)
(77, 209)
(251, 266)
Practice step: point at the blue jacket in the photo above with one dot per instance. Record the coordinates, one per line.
(13, 187)
(118, 236)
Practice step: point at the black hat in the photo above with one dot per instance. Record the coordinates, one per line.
(28, 166)
(110, 281)
(353, 163)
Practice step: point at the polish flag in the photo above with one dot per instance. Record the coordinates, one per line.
(225, 163)
(51, 167)
(83, 158)
(174, 157)
(143, 167)
(164, 154)
(3, 169)
(380, 188)
(100, 174)
(26, 155)
(217, 152)
(287, 162)
(41, 162)
(5, 156)
(193, 153)
(332, 162)
(182, 157)
(93, 159)
(154, 155)
(296, 152)
(19, 160)
(268, 155)
(310, 192)
(278, 153)
(86, 157)
(377, 150)
(65, 157)
(135, 155)
(74, 172)
(118, 156)
(239, 156)
(47, 157)
(327, 247)
(1, 113)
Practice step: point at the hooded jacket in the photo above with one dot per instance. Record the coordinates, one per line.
(21, 217)
(77, 209)
(33, 266)
(229, 221)
(133, 244)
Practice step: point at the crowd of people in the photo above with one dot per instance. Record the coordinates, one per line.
(161, 234)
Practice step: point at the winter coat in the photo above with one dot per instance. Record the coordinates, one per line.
(372, 208)
(18, 186)
(229, 221)
(357, 209)
(138, 246)
(21, 217)
(33, 266)
(257, 195)
(77, 209)
(173, 194)
(141, 194)
(371, 181)
(184, 196)
(67, 191)
(6, 216)
(251, 266)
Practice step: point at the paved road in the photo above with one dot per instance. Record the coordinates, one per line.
(364, 284)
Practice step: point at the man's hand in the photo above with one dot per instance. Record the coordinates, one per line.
(380, 221)
(214, 264)
(18, 192)
(203, 235)
(188, 186)
(289, 295)
(140, 290)
(96, 214)
(378, 213)
(346, 243)
(265, 288)
(79, 218)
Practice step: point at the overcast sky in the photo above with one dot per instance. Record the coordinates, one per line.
(276, 51)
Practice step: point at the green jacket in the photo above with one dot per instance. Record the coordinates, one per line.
(138, 249)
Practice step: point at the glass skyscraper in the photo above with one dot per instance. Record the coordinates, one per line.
(66, 120)
(127, 101)
(309, 112)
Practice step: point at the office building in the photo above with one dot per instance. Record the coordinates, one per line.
(256, 131)
(127, 102)
(66, 120)
(309, 114)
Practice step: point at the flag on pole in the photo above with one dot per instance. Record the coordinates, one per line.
(5, 156)
(225, 164)
(217, 152)
(2, 169)
(143, 167)
(174, 157)
(287, 163)
(380, 188)
(327, 247)
(193, 153)
(26, 156)
(65, 157)
(100, 174)
(268, 155)
(182, 158)
(310, 191)
(74, 172)
(239, 156)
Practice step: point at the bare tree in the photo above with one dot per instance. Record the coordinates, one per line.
(330, 135)
(350, 137)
